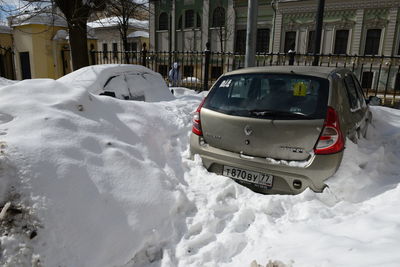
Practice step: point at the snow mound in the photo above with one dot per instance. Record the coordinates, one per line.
(127, 81)
(95, 181)
(5, 82)
(104, 183)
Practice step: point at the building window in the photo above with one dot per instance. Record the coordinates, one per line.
(189, 18)
(397, 82)
(398, 52)
(105, 50)
(262, 44)
(341, 39)
(134, 46)
(240, 43)
(115, 50)
(25, 65)
(366, 81)
(180, 23)
(216, 72)
(290, 41)
(372, 41)
(311, 42)
(218, 19)
(163, 21)
(163, 70)
(188, 71)
(198, 21)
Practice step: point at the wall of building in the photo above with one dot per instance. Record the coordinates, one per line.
(195, 38)
(357, 16)
(38, 41)
(5, 40)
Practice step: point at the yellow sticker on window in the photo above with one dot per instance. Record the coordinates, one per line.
(299, 89)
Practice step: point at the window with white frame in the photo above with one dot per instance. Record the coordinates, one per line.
(115, 50)
(366, 81)
(290, 41)
(189, 18)
(198, 21)
(240, 42)
(372, 41)
(105, 50)
(311, 42)
(262, 44)
(218, 19)
(341, 40)
(397, 82)
(163, 21)
(398, 50)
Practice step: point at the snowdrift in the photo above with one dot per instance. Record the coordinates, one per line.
(97, 181)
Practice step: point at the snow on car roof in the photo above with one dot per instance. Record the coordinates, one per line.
(94, 79)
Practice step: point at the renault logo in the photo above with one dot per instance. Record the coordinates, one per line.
(247, 130)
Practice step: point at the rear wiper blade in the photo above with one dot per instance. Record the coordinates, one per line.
(279, 113)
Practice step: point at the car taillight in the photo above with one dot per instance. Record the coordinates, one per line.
(196, 129)
(331, 139)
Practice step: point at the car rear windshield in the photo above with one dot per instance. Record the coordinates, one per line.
(283, 96)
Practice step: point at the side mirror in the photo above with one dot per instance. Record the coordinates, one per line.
(374, 101)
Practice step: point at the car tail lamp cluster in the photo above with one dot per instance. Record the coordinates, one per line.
(331, 139)
(196, 129)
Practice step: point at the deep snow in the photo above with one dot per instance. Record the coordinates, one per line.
(105, 182)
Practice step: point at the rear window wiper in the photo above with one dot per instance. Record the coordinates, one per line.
(278, 113)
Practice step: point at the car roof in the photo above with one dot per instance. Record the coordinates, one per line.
(322, 72)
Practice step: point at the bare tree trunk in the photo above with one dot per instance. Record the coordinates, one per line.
(77, 13)
(78, 42)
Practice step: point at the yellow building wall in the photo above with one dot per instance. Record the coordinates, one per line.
(5, 40)
(44, 52)
(23, 43)
(38, 41)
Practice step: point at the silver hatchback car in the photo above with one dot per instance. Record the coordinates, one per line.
(279, 130)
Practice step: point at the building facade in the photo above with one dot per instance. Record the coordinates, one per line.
(361, 27)
(187, 25)
(369, 29)
(109, 39)
(41, 45)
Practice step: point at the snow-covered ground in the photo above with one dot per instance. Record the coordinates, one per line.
(97, 181)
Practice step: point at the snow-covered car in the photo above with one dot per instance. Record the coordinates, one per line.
(128, 82)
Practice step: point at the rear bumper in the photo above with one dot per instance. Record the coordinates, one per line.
(311, 174)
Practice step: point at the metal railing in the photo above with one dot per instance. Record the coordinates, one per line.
(378, 75)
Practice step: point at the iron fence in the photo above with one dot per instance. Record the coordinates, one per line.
(7, 63)
(378, 75)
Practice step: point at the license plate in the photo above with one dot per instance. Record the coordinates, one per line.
(248, 176)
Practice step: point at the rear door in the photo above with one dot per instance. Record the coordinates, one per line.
(358, 107)
(276, 116)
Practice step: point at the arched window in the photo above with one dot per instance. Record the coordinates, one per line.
(189, 18)
(218, 17)
(163, 21)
